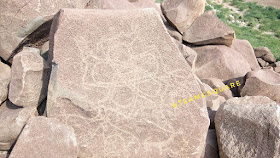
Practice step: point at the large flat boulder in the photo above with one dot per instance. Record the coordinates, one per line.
(45, 137)
(5, 78)
(248, 127)
(182, 13)
(265, 82)
(12, 120)
(117, 82)
(220, 62)
(30, 75)
(246, 50)
(27, 23)
(209, 29)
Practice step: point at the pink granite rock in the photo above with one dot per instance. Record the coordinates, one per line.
(110, 4)
(45, 137)
(209, 29)
(12, 120)
(220, 62)
(215, 83)
(263, 82)
(5, 78)
(149, 1)
(29, 81)
(182, 13)
(246, 50)
(265, 54)
(27, 22)
(248, 127)
(117, 82)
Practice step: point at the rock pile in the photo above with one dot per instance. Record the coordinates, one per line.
(98, 78)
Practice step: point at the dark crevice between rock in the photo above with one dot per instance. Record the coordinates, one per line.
(5, 62)
(36, 39)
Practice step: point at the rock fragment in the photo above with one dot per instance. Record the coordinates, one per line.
(209, 29)
(182, 13)
(262, 62)
(220, 62)
(265, 54)
(263, 82)
(30, 74)
(248, 127)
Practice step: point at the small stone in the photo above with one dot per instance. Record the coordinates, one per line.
(262, 63)
(265, 54)
(30, 75)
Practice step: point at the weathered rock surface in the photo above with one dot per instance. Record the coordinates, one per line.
(182, 13)
(116, 84)
(220, 62)
(211, 149)
(24, 20)
(248, 127)
(4, 154)
(263, 82)
(209, 29)
(45, 137)
(12, 120)
(29, 81)
(265, 54)
(218, 84)
(5, 78)
(110, 4)
(246, 50)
